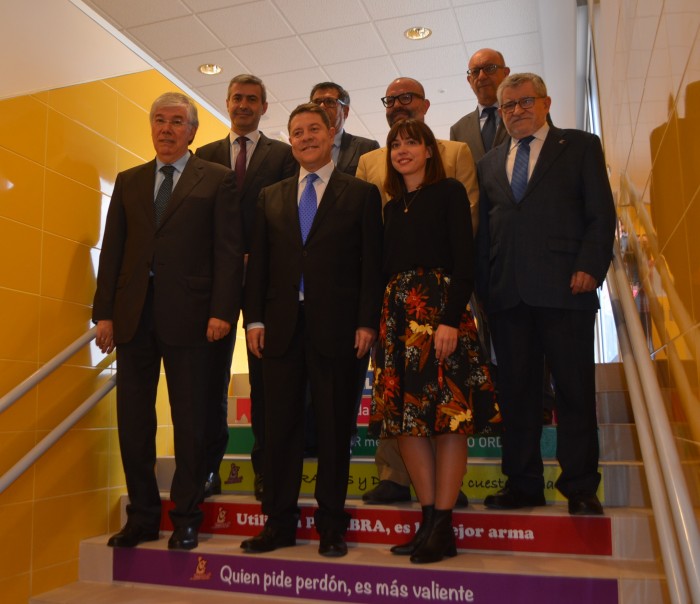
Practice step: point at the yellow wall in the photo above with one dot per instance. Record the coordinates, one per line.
(648, 57)
(60, 152)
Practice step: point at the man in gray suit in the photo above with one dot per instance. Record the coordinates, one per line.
(544, 244)
(258, 162)
(347, 148)
(483, 129)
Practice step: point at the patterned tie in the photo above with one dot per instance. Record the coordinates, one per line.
(241, 159)
(518, 182)
(307, 210)
(164, 192)
(488, 132)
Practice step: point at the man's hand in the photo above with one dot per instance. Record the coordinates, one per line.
(364, 338)
(582, 282)
(105, 336)
(217, 329)
(255, 338)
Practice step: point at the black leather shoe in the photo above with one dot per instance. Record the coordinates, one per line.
(332, 544)
(511, 499)
(131, 535)
(212, 485)
(462, 501)
(583, 504)
(387, 491)
(270, 538)
(258, 487)
(184, 537)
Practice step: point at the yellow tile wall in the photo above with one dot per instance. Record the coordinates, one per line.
(60, 151)
(648, 59)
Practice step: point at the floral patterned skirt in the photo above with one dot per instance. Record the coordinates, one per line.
(413, 394)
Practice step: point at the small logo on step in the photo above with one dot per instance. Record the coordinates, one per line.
(221, 519)
(200, 573)
(234, 477)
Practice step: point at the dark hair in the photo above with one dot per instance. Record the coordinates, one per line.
(343, 95)
(434, 169)
(309, 108)
(247, 78)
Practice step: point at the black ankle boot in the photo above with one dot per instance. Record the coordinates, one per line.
(439, 543)
(406, 549)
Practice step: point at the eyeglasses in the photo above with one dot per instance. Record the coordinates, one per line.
(527, 102)
(487, 69)
(405, 99)
(329, 102)
(161, 122)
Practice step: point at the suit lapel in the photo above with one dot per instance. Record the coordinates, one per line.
(501, 175)
(290, 208)
(553, 146)
(474, 130)
(146, 185)
(346, 152)
(261, 151)
(191, 175)
(334, 189)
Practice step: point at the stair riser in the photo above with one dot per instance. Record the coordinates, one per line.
(351, 583)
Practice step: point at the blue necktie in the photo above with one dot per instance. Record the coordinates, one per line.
(307, 210)
(164, 192)
(488, 132)
(518, 182)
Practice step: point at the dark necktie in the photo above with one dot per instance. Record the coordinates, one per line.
(488, 132)
(164, 192)
(307, 210)
(241, 159)
(518, 182)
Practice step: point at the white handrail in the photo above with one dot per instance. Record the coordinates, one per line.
(686, 528)
(23, 464)
(673, 564)
(23, 387)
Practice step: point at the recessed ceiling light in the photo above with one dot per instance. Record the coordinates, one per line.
(210, 69)
(417, 33)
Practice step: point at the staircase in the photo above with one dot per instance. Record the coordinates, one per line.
(522, 557)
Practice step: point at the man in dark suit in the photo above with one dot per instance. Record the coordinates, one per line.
(168, 286)
(546, 230)
(483, 129)
(347, 148)
(312, 304)
(346, 151)
(262, 162)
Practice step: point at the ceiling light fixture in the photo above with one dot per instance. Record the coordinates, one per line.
(417, 33)
(210, 69)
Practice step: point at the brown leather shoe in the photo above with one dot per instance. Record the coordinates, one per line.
(582, 504)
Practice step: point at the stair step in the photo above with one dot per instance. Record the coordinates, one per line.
(620, 534)
(623, 484)
(371, 574)
(618, 442)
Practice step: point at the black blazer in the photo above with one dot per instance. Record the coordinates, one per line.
(271, 162)
(341, 262)
(565, 223)
(351, 148)
(195, 254)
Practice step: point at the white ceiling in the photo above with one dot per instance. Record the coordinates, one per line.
(292, 45)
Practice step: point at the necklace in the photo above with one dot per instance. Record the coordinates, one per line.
(407, 204)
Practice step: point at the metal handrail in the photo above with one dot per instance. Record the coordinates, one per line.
(50, 439)
(45, 370)
(33, 380)
(668, 542)
(676, 489)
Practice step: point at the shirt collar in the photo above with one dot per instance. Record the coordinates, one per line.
(323, 173)
(179, 165)
(539, 135)
(253, 136)
(338, 138)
